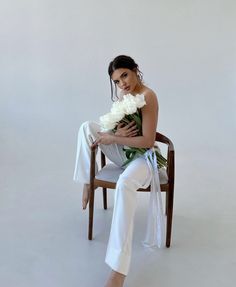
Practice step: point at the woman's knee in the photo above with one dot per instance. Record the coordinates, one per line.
(85, 125)
(136, 176)
(89, 127)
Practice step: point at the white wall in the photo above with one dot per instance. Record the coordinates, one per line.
(53, 75)
(53, 72)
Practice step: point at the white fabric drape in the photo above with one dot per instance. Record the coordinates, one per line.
(155, 233)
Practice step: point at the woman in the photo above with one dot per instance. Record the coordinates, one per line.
(125, 74)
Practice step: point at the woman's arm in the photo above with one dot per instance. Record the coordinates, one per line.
(149, 124)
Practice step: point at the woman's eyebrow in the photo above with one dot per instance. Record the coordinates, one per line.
(116, 80)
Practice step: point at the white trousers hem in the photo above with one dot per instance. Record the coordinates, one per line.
(118, 260)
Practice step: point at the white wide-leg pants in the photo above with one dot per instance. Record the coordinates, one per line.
(136, 175)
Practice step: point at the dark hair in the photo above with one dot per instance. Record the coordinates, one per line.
(119, 62)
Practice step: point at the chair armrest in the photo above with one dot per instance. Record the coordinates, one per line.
(103, 159)
(170, 156)
(171, 165)
(161, 138)
(92, 162)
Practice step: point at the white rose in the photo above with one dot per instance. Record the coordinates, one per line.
(129, 103)
(140, 101)
(108, 121)
(118, 110)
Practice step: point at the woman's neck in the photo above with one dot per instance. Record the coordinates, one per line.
(139, 89)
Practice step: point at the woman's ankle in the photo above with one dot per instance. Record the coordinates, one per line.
(85, 196)
(115, 279)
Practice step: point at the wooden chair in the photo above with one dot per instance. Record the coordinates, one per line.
(112, 173)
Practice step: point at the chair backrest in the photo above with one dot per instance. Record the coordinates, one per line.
(170, 156)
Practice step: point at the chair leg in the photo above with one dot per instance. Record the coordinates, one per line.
(91, 209)
(170, 201)
(104, 198)
(166, 207)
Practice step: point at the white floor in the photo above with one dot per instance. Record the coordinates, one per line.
(43, 241)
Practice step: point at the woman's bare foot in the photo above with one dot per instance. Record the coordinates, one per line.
(115, 280)
(85, 197)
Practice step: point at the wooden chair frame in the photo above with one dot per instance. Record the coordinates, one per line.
(168, 188)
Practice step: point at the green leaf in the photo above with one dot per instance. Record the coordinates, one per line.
(138, 121)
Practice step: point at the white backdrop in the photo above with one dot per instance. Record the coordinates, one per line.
(53, 76)
(54, 58)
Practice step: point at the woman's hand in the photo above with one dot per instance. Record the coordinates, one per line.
(105, 138)
(129, 130)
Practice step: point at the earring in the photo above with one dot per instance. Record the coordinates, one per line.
(139, 78)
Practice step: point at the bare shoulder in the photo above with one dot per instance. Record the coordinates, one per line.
(150, 97)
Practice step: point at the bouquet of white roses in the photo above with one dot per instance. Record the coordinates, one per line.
(126, 111)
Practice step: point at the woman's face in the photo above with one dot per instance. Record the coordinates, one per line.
(126, 80)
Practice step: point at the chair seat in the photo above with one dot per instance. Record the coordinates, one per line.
(111, 172)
